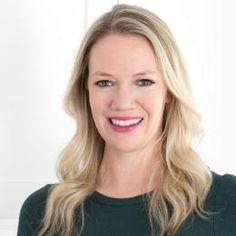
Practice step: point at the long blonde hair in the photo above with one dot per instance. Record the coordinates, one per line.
(185, 181)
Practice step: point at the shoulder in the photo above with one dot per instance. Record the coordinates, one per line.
(32, 211)
(224, 185)
(37, 199)
(223, 202)
(223, 189)
(229, 183)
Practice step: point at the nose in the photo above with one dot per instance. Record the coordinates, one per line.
(123, 99)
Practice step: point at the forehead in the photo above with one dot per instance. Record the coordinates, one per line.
(122, 51)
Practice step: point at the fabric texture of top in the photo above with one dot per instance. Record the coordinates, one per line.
(109, 216)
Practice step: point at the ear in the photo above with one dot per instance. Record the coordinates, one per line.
(168, 97)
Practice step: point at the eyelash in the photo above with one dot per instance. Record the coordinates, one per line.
(150, 82)
(102, 82)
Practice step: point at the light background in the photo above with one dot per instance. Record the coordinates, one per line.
(38, 44)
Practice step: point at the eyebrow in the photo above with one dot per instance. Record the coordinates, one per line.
(135, 74)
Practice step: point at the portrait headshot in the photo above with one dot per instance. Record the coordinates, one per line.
(132, 166)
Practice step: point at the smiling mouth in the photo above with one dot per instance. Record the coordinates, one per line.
(125, 123)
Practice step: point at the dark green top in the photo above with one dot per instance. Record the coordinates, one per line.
(107, 216)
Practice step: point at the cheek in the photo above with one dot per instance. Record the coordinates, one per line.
(154, 104)
(97, 103)
(154, 101)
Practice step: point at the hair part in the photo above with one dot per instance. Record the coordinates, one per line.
(184, 181)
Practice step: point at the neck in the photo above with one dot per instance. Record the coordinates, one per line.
(128, 174)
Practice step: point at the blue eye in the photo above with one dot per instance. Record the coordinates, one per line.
(103, 83)
(145, 82)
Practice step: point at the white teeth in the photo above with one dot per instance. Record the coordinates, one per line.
(125, 122)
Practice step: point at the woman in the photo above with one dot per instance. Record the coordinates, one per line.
(130, 168)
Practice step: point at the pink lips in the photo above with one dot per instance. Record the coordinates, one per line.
(124, 128)
(124, 117)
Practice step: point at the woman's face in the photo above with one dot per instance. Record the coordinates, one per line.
(125, 88)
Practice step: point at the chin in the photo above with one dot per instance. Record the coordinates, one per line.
(123, 146)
